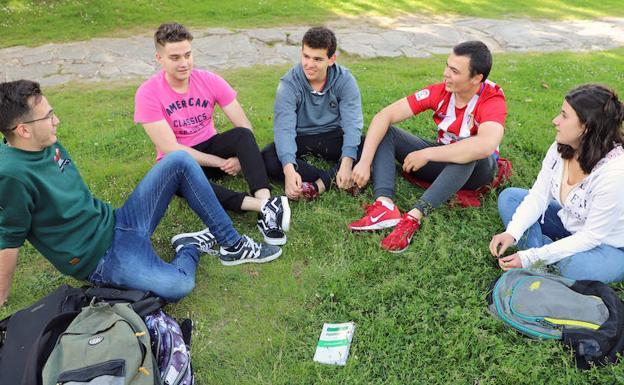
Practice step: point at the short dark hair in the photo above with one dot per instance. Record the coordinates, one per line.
(320, 37)
(479, 54)
(602, 113)
(171, 33)
(16, 103)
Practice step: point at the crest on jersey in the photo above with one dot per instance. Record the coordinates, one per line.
(422, 94)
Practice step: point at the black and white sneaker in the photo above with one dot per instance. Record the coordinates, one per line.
(248, 251)
(274, 220)
(202, 240)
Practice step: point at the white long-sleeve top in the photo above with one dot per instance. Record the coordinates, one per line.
(593, 211)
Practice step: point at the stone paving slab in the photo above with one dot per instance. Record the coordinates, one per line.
(105, 59)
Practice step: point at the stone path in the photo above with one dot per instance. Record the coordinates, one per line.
(216, 48)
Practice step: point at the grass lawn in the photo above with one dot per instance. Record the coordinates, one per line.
(420, 316)
(34, 22)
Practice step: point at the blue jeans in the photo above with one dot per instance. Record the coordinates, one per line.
(131, 261)
(602, 263)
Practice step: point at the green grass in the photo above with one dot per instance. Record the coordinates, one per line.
(34, 22)
(421, 316)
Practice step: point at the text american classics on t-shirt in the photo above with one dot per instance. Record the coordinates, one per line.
(193, 122)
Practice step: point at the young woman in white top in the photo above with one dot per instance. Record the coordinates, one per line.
(573, 216)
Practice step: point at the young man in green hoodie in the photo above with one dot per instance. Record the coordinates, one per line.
(44, 200)
(318, 111)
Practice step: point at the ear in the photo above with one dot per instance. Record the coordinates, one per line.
(23, 131)
(159, 57)
(476, 79)
(332, 60)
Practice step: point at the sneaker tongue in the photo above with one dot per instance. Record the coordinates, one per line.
(412, 218)
(388, 205)
(270, 219)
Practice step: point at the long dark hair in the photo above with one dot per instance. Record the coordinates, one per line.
(601, 112)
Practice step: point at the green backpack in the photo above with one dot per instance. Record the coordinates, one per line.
(587, 316)
(105, 344)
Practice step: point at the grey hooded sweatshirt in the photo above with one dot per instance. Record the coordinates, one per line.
(299, 110)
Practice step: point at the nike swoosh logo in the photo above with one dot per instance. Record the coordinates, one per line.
(375, 219)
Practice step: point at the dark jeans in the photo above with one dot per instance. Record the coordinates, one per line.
(238, 142)
(131, 261)
(327, 146)
(445, 178)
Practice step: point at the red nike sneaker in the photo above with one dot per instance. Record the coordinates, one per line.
(399, 239)
(377, 217)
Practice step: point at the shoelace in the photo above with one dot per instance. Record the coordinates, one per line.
(206, 246)
(404, 226)
(370, 208)
(252, 245)
(270, 218)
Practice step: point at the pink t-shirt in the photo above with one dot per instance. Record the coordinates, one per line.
(189, 114)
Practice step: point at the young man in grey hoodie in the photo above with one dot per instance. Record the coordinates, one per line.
(318, 111)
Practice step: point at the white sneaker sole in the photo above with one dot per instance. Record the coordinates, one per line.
(273, 241)
(252, 260)
(377, 226)
(285, 216)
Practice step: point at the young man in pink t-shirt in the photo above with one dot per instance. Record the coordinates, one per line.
(176, 108)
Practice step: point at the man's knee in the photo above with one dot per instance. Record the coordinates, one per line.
(176, 290)
(390, 135)
(178, 157)
(242, 134)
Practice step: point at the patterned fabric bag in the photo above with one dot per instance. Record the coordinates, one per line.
(171, 347)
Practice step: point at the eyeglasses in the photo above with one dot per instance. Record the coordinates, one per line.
(50, 115)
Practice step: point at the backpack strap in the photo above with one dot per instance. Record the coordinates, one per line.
(114, 295)
(147, 306)
(142, 302)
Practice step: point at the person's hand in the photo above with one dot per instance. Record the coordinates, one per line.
(500, 243)
(512, 261)
(343, 177)
(415, 160)
(361, 174)
(231, 166)
(292, 184)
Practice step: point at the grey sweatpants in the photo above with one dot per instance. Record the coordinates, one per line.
(445, 178)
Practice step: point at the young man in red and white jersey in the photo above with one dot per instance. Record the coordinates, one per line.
(469, 112)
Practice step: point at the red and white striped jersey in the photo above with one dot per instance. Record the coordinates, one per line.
(458, 123)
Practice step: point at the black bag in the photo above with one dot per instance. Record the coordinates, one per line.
(28, 336)
(604, 345)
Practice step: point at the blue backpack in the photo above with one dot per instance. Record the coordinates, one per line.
(587, 316)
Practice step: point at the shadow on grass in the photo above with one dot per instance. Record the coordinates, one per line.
(548, 9)
(35, 22)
